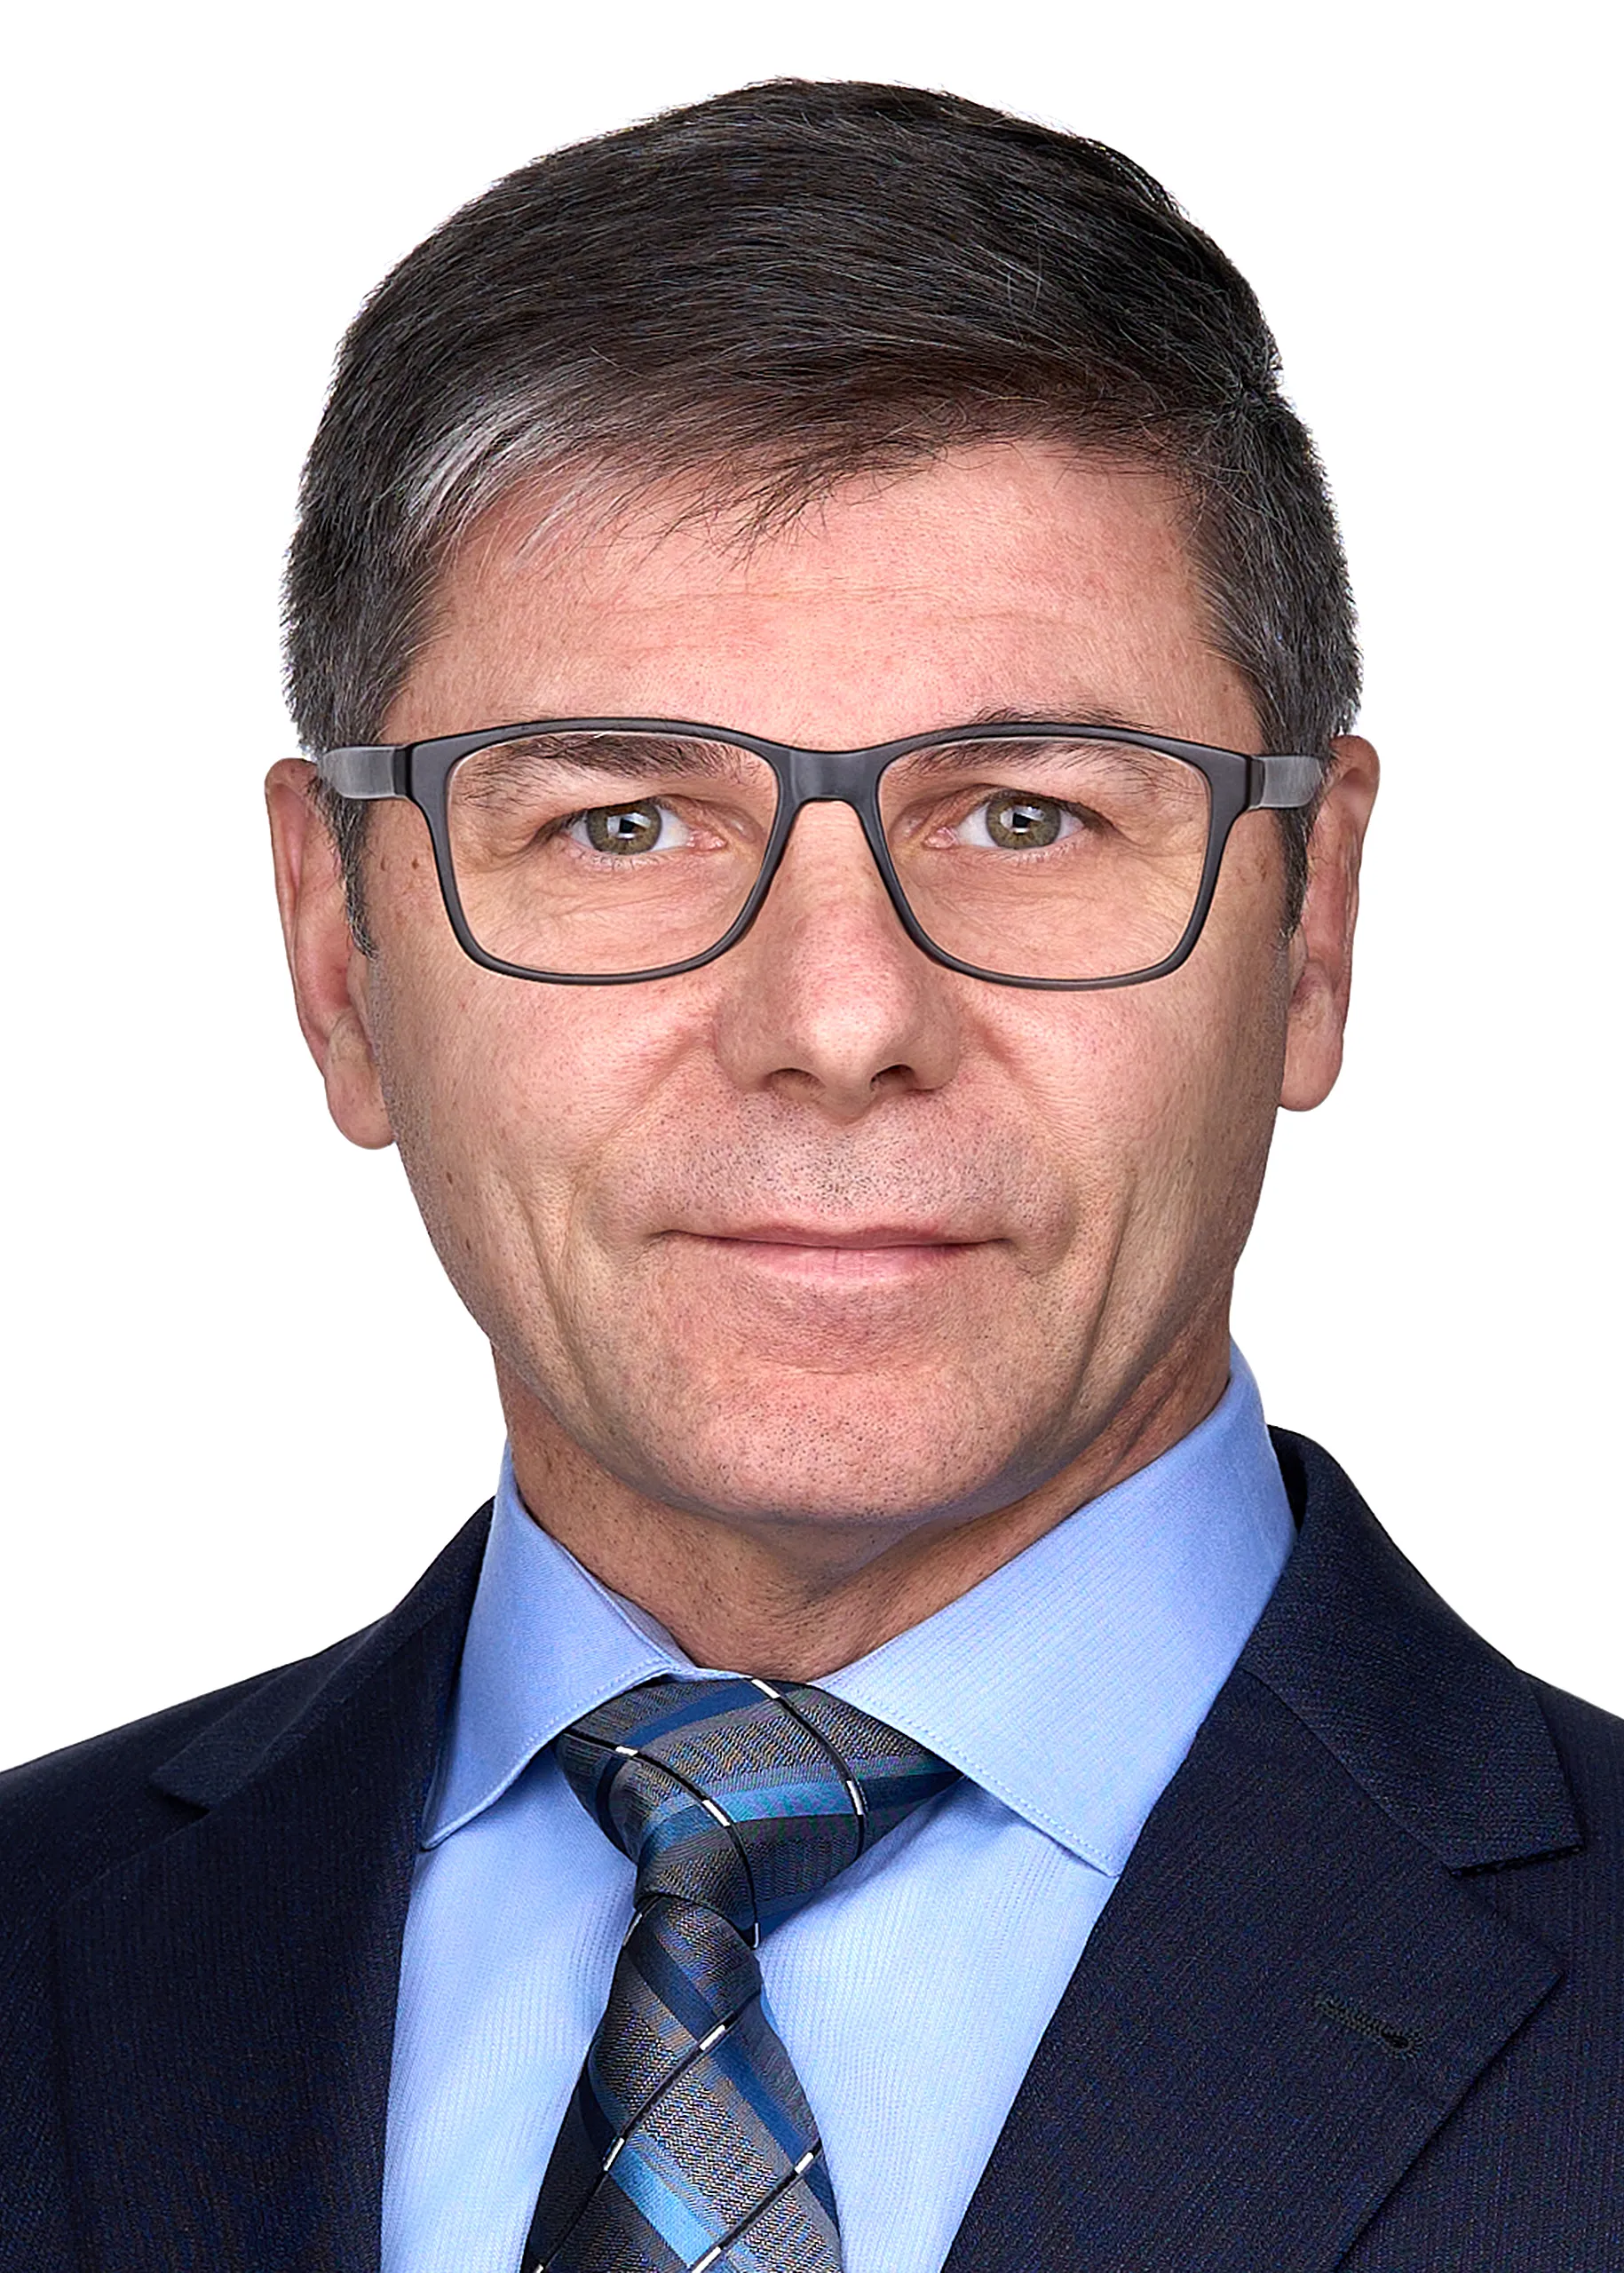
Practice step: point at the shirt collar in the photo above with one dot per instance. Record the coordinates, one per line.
(1069, 1684)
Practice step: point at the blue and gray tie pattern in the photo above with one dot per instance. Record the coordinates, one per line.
(688, 2146)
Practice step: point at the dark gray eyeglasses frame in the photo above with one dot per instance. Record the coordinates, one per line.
(420, 773)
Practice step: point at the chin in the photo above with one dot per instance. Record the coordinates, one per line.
(854, 1447)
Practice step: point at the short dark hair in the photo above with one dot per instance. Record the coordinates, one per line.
(774, 289)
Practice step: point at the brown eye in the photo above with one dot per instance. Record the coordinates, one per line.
(1020, 824)
(624, 828)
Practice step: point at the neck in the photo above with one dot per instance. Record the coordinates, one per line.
(798, 1599)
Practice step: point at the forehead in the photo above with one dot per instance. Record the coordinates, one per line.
(1013, 576)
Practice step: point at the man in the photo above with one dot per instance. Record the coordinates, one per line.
(835, 827)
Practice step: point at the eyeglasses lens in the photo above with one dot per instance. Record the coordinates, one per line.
(1049, 858)
(590, 854)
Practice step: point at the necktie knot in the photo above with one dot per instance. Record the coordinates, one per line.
(745, 1796)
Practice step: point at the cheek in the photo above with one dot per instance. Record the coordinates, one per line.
(1228, 1010)
(1157, 1100)
(510, 1100)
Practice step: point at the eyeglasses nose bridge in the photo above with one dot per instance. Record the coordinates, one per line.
(844, 777)
(837, 776)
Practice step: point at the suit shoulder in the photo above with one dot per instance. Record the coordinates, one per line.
(68, 1815)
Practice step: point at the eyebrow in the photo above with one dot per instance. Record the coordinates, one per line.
(1125, 760)
(491, 773)
(1093, 714)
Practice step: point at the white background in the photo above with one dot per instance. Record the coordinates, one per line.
(245, 1408)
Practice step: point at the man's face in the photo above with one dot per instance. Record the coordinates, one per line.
(823, 1233)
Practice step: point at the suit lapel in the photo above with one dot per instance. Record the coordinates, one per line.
(1290, 1989)
(227, 1997)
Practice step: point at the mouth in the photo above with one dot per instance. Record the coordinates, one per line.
(875, 1252)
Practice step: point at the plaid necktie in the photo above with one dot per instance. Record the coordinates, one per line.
(688, 2146)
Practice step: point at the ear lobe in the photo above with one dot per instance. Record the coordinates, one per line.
(1322, 946)
(331, 974)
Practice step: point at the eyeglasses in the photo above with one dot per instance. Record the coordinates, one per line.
(595, 851)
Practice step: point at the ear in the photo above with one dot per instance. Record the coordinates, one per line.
(331, 974)
(1322, 946)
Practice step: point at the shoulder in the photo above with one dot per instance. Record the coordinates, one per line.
(69, 1815)
(1484, 1763)
(66, 1818)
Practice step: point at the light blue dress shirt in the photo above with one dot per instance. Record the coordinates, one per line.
(913, 1992)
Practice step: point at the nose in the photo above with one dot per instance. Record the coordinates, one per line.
(826, 998)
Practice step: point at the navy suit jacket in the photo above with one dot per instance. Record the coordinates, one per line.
(1358, 2001)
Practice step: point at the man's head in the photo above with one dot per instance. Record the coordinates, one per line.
(833, 415)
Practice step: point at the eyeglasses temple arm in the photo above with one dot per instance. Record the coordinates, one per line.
(1285, 784)
(372, 770)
